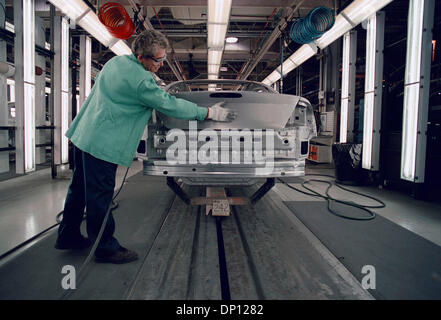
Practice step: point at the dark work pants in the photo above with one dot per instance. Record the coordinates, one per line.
(91, 188)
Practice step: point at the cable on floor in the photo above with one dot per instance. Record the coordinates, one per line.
(370, 214)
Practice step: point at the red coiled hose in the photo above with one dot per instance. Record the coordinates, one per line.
(116, 19)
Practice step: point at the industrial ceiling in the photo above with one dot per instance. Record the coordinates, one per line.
(256, 23)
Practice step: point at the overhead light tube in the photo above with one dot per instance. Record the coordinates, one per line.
(217, 24)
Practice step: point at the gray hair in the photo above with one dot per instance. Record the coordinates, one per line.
(147, 42)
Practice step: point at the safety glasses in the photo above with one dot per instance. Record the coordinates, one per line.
(157, 60)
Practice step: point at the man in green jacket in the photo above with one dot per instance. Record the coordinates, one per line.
(106, 133)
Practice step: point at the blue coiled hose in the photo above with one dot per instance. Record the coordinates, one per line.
(317, 22)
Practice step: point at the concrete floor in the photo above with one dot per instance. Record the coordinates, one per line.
(29, 205)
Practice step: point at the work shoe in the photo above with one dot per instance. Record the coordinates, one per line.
(123, 255)
(78, 243)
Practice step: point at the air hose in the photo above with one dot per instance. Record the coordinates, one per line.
(370, 214)
(312, 27)
(116, 19)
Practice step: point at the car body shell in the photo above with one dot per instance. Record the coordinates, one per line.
(269, 138)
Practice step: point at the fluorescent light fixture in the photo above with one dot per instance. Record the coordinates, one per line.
(64, 88)
(92, 24)
(217, 24)
(369, 101)
(273, 77)
(223, 69)
(416, 90)
(121, 48)
(297, 58)
(85, 68)
(88, 67)
(213, 69)
(72, 8)
(219, 11)
(28, 41)
(64, 126)
(415, 32)
(348, 86)
(214, 56)
(360, 10)
(64, 55)
(231, 39)
(410, 127)
(345, 65)
(340, 27)
(216, 35)
(267, 82)
(373, 92)
(344, 110)
(287, 66)
(368, 125)
(29, 84)
(29, 126)
(303, 53)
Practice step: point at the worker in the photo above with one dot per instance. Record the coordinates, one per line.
(106, 133)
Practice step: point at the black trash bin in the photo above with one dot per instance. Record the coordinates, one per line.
(347, 161)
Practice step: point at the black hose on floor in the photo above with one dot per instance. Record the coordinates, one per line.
(370, 214)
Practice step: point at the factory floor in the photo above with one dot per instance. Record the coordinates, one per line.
(29, 205)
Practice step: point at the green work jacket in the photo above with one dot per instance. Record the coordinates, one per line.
(111, 121)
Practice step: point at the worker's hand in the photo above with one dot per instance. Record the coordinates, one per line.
(217, 113)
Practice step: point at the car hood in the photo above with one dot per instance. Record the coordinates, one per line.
(255, 110)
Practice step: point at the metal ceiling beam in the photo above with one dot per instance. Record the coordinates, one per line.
(251, 64)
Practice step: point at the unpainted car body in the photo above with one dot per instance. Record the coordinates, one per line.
(270, 136)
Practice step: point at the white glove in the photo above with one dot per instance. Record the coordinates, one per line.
(217, 113)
